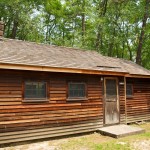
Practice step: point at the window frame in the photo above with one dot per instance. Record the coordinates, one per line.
(76, 98)
(129, 96)
(25, 99)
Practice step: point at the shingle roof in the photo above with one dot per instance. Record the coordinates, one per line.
(30, 53)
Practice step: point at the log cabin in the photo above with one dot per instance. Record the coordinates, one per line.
(50, 91)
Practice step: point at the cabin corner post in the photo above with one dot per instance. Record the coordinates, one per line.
(125, 97)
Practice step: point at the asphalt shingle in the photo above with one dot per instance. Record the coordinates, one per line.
(30, 53)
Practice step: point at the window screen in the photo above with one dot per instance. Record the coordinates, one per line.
(76, 90)
(129, 91)
(35, 90)
(111, 90)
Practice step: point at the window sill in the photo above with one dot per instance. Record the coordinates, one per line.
(77, 99)
(35, 100)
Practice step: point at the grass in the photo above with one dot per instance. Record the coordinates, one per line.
(112, 146)
(95, 142)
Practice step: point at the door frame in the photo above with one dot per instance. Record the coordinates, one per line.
(104, 97)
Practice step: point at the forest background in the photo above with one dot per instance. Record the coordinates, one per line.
(115, 28)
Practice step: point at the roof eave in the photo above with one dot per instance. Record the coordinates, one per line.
(137, 76)
(56, 69)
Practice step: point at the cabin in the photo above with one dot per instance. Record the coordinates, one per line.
(50, 91)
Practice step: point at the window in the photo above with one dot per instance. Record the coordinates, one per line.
(35, 90)
(129, 90)
(76, 90)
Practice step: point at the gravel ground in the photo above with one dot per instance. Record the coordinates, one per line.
(34, 146)
(54, 145)
(44, 145)
(141, 145)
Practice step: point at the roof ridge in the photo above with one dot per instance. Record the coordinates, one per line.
(46, 44)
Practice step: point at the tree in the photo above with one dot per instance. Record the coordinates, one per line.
(142, 33)
(115, 28)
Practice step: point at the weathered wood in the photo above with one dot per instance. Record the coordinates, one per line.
(19, 116)
(51, 129)
(138, 106)
(54, 133)
(29, 126)
(125, 86)
(49, 116)
(60, 70)
(122, 100)
(112, 111)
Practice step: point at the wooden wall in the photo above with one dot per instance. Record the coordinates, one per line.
(25, 121)
(138, 106)
(122, 100)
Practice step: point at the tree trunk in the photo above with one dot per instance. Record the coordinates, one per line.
(123, 48)
(129, 49)
(14, 29)
(110, 51)
(8, 28)
(102, 13)
(83, 23)
(63, 34)
(141, 38)
(111, 45)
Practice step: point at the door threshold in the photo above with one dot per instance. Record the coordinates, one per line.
(108, 125)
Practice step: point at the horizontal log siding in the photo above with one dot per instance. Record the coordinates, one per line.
(10, 90)
(138, 106)
(122, 100)
(25, 121)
